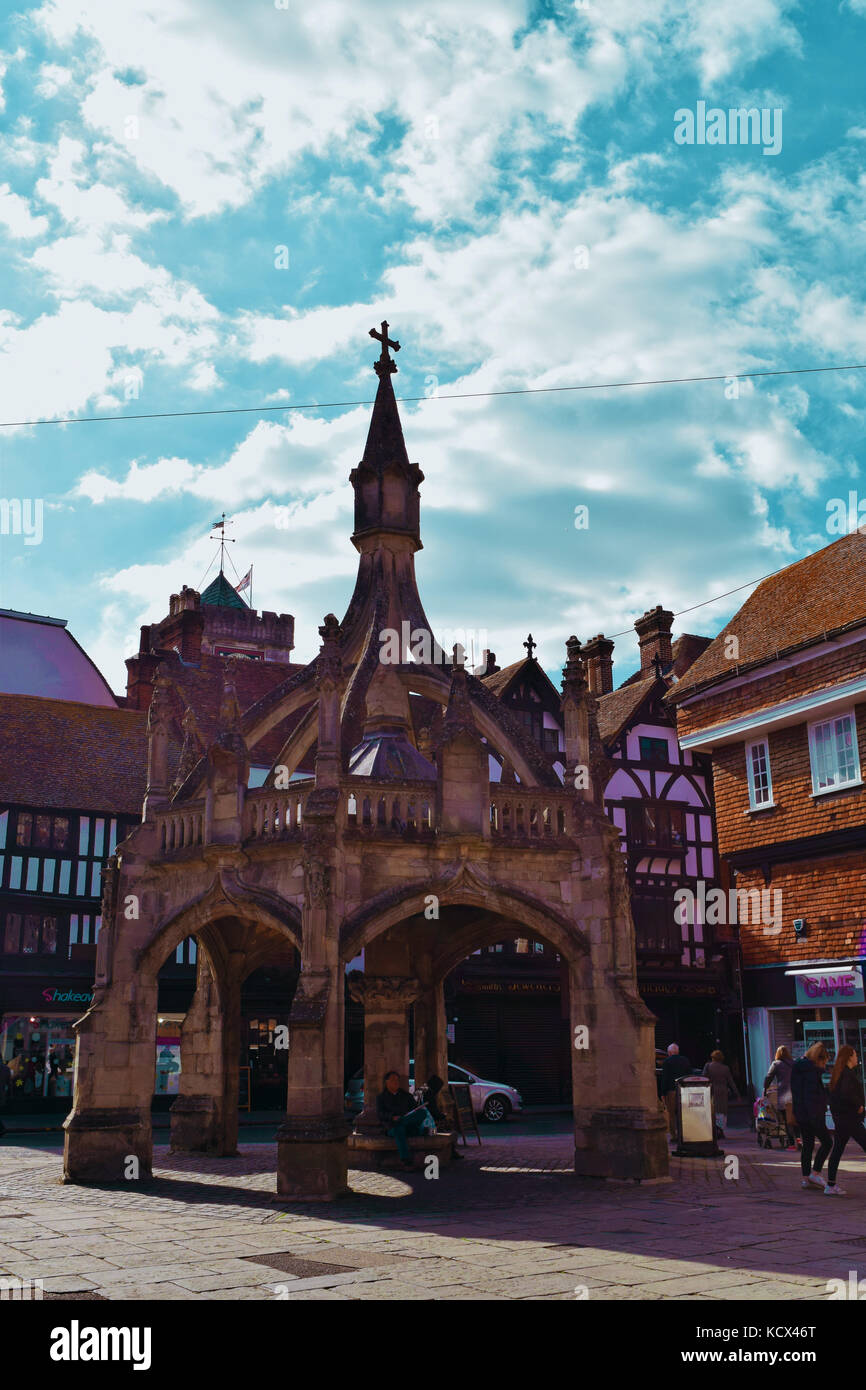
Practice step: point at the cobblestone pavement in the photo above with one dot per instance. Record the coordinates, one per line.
(511, 1222)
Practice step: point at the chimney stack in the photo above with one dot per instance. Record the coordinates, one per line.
(598, 660)
(654, 637)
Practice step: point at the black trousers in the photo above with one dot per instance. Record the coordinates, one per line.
(845, 1129)
(810, 1130)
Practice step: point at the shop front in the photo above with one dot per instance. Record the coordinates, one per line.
(37, 1045)
(800, 1004)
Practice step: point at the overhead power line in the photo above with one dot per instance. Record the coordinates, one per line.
(437, 396)
(704, 602)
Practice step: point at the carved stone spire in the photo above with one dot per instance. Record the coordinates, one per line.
(385, 482)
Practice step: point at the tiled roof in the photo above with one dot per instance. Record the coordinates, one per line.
(619, 706)
(819, 594)
(500, 682)
(59, 753)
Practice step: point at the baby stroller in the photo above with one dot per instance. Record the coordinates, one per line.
(770, 1121)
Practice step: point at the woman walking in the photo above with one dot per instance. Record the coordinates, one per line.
(810, 1112)
(847, 1106)
(779, 1076)
(723, 1085)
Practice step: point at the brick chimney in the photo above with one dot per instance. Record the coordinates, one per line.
(654, 637)
(598, 660)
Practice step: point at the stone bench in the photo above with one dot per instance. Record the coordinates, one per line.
(372, 1150)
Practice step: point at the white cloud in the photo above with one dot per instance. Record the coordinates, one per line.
(16, 216)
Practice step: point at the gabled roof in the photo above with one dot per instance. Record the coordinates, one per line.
(502, 682)
(618, 707)
(821, 594)
(39, 656)
(69, 755)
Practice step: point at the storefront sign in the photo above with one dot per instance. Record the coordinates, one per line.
(496, 987)
(67, 996)
(842, 986)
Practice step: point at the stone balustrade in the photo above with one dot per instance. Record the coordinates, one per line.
(535, 814)
(182, 828)
(387, 807)
(375, 808)
(273, 815)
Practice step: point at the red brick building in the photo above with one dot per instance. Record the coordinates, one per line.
(779, 700)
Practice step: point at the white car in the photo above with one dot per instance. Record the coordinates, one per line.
(491, 1100)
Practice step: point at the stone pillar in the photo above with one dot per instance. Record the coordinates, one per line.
(198, 1114)
(108, 1135)
(386, 1000)
(231, 1050)
(312, 1154)
(619, 1130)
(431, 1035)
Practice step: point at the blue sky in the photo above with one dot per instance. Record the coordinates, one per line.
(439, 166)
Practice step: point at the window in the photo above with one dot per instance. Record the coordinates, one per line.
(24, 828)
(758, 769)
(656, 929)
(12, 934)
(457, 1073)
(654, 750)
(834, 754)
(550, 740)
(655, 824)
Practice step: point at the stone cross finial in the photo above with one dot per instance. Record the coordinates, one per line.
(385, 362)
(530, 646)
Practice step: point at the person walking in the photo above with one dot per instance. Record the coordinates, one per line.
(723, 1085)
(779, 1076)
(847, 1106)
(810, 1111)
(674, 1066)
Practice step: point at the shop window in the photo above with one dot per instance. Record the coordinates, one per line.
(49, 936)
(834, 754)
(24, 829)
(760, 780)
(12, 934)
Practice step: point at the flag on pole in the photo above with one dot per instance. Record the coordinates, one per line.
(245, 582)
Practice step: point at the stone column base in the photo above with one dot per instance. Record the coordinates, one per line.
(312, 1159)
(99, 1145)
(195, 1127)
(621, 1142)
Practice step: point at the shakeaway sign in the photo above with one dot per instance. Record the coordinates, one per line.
(842, 985)
(67, 996)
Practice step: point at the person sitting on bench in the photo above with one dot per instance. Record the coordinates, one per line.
(400, 1115)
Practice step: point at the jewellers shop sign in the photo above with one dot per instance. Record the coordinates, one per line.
(843, 985)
